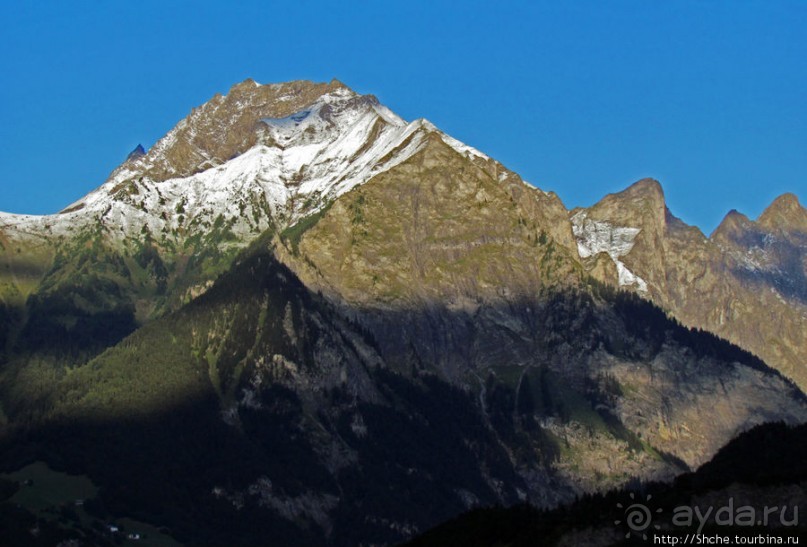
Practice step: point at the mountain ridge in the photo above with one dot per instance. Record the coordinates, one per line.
(284, 169)
(284, 99)
(330, 302)
(253, 122)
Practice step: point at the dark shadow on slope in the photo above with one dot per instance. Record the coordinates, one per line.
(354, 432)
(162, 466)
(58, 327)
(787, 275)
(759, 465)
(8, 318)
(571, 323)
(790, 283)
(161, 470)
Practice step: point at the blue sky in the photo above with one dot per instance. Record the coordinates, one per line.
(582, 98)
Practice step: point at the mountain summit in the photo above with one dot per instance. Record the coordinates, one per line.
(282, 150)
(296, 302)
(785, 213)
(136, 153)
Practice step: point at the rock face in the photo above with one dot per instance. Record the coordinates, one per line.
(746, 282)
(226, 127)
(473, 295)
(297, 299)
(773, 248)
(437, 227)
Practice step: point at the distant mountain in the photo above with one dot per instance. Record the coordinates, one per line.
(746, 283)
(296, 302)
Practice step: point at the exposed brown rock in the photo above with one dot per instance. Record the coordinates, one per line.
(436, 227)
(745, 283)
(226, 126)
(786, 214)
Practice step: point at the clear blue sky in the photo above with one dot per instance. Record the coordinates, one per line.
(581, 97)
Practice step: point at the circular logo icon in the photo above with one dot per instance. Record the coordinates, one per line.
(638, 517)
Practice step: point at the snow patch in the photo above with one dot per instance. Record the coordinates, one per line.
(302, 162)
(596, 236)
(462, 148)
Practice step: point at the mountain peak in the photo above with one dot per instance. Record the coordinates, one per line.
(136, 153)
(284, 92)
(249, 83)
(337, 84)
(278, 149)
(647, 187)
(640, 199)
(784, 213)
(228, 125)
(733, 225)
(734, 217)
(287, 90)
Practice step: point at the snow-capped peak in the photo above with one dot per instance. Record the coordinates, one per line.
(291, 165)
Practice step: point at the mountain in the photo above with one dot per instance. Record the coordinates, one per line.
(296, 302)
(259, 157)
(746, 282)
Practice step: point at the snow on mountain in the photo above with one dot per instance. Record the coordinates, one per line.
(299, 163)
(595, 237)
